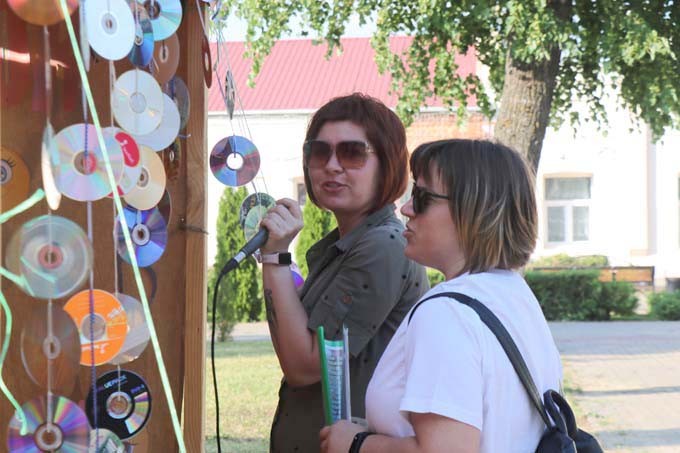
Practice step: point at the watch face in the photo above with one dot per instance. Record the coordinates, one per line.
(285, 258)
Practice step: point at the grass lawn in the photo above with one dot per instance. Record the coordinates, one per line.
(248, 377)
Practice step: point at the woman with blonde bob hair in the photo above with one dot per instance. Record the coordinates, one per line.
(444, 383)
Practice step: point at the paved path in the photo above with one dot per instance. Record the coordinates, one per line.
(626, 382)
(624, 378)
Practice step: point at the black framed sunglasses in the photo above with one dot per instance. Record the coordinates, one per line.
(422, 198)
(350, 154)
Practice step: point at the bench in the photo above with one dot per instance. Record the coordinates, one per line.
(639, 275)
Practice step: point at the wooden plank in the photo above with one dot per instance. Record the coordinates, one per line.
(195, 218)
(631, 274)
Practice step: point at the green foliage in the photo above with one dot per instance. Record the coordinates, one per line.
(630, 47)
(239, 298)
(318, 223)
(665, 305)
(578, 295)
(564, 260)
(434, 276)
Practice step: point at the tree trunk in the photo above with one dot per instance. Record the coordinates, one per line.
(527, 96)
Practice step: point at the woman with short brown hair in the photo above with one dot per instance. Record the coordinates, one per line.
(444, 382)
(355, 165)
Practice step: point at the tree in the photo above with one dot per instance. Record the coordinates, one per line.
(542, 55)
(318, 223)
(239, 297)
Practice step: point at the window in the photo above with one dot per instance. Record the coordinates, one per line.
(568, 209)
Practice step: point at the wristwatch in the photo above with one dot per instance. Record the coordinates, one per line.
(280, 258)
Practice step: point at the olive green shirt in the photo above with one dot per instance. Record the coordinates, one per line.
(365, 282)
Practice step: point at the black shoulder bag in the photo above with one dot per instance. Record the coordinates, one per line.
(561, 434)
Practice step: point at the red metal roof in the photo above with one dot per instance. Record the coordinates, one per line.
(297, 76)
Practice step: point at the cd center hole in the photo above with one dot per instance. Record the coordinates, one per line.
(139, 35)
(50, 257)
(5, 172)
(85, 164)
(51, 348)
(137, 102)
(119, 405)
(165, 53)
(49, 438)
(143, 178)
(152, 8)
(93, 327)
(234, 161)
(140, 234)
(109, 23)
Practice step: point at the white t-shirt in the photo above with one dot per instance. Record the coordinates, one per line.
(447, 362)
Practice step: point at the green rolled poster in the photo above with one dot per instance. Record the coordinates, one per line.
(334, 358)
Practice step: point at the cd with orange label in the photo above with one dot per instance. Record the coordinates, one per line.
(105, 328)
(14, 179)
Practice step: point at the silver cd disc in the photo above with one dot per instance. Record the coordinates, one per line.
(137, 102)
(81, 173)
(84, 43)
(165, 15)
(110, 28)
(142, 50)
(138, 333)
(178, 91)
(105, 441)
(48, 158)
(53, 254)
(167, 131)
(151, 184)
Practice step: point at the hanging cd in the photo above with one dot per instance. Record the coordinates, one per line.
(298, 279)
(105, 441)
(165, 16)
(68, 431)
(137, 102)
(171, 159)
(14, 179)
(123, 403)
(51, 268)
(110, 28)
(230, 100)
(166, 132)
(149, 234)
(142, 51)
(151, 184)
(251, 225)
(165, 207)
(81, 175)
(101, 322)
(255, 199)
(165, 59)
(49, 157)
(207, 62)
(179, 93)
(57, 347)
(41, 12)
(84, 42)
(138, 333)
(131, 160)
(234, 161)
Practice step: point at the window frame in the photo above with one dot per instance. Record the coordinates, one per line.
(568, 206)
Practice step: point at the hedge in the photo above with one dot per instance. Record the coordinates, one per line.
(578, 295)
(665, 305)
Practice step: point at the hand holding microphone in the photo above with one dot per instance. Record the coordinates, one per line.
(278, 228)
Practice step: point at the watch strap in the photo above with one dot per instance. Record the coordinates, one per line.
(281, 258)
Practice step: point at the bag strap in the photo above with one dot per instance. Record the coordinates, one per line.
(506, 341)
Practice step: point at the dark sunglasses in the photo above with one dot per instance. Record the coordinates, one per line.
(422, 198)
(350, 154)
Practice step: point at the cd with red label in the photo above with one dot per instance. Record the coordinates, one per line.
(123, 403)
(132, 168)
(148, 232)
(66, 431)
(234, 161)
(102, 324)
(14, 179)
(81, 171)
(50, 340)
(52, 253)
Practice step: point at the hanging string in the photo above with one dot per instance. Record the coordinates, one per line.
(126, 234)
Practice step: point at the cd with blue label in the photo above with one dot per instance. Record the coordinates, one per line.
(149, 234)
(142, 50)
(235, 161)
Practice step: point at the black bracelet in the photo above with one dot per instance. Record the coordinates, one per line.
(358, 440)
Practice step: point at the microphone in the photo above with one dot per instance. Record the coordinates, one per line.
(253, 244)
